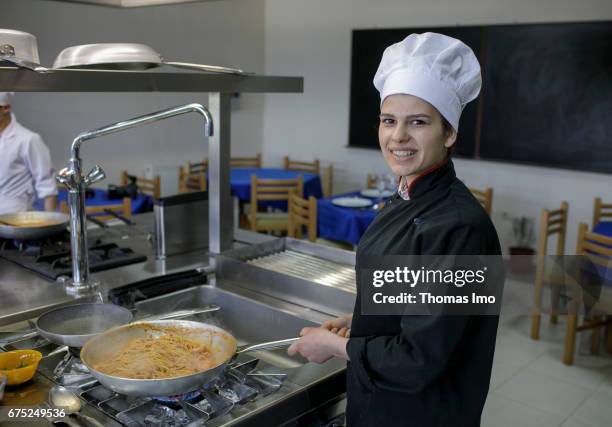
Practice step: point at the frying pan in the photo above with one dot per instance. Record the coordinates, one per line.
(73, 325)
(125, 56)
(110, 343)
(22, 225)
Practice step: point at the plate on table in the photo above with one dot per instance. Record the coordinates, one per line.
(352, 202)
(375, 194)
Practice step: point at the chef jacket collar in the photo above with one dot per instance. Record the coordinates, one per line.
(440, 174)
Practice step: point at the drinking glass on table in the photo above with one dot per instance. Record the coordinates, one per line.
(381, 184)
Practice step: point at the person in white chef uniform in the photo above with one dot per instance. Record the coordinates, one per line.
(26, 172)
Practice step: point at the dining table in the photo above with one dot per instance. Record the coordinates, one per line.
(604, 227)
(240, 181)
(345, 224)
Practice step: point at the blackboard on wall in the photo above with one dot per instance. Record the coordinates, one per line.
(546, 100)
(548, 95)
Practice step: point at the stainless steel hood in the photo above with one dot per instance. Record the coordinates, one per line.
(131, 3)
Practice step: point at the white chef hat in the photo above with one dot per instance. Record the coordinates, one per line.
(6, 98)
(436, 68)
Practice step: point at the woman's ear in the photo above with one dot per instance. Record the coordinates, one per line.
(451, 137)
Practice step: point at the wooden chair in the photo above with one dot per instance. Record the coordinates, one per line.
(598, 249)
(485, 198)
(601, 211)
(266, 190)
(150, 187)
(327, 180)
(124, 209)
(189, 182)
(294, 165)
(551, 223)
(246, 162)
(302, 213)
(197, 167)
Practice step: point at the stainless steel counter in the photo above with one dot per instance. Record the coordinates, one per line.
(24, 294)
(276, 306)
(303, 386)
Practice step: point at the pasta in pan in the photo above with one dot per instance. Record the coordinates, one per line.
(154, 357)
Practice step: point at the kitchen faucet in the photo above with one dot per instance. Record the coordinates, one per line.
(72, 177)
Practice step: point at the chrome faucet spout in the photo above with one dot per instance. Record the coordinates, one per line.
(72, 177)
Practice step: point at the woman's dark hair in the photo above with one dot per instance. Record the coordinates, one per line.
(448, 128)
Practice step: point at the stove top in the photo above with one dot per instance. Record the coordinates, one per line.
(239, 385)
(259, 388)
(50, 257)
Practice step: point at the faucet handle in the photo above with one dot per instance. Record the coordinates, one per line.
(66, 177)
(95, 175)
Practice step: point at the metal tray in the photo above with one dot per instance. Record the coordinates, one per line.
(294, 270)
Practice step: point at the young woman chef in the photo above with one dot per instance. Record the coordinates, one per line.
(418, 370)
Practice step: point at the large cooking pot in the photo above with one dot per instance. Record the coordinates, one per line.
(112, 342)
(32, 225)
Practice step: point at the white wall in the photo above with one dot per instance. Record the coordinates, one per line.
(313, 39)
(278, 37)
(228, 32)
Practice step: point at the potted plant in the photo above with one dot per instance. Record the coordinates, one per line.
(522, 255)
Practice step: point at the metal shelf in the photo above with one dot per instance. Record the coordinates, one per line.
(22, 80)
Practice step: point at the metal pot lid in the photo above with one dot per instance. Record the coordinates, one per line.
(18, 44)
(108, 56)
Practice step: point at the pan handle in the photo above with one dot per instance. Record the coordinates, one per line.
(17, 336)
(266, 345)
(208, 68)
(182, 313)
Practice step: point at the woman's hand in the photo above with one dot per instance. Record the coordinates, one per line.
(318, 345)
(340, 326)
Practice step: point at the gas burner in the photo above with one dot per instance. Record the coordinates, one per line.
(71, 370)
(185, 397)
(153, 414)
(240, 384)
(51, 258)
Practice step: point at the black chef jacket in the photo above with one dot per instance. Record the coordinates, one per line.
(423, 370)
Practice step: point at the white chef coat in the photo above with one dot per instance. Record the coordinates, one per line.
(26, 172)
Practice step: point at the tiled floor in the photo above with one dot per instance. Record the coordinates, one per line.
(530, 385)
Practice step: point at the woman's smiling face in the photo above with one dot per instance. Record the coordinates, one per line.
(412, 136)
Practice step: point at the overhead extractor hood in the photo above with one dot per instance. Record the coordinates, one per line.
(131, 3)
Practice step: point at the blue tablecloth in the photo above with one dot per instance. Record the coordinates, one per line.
(604, 228)
(140, 204)
(240, 179)
(343, 224)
